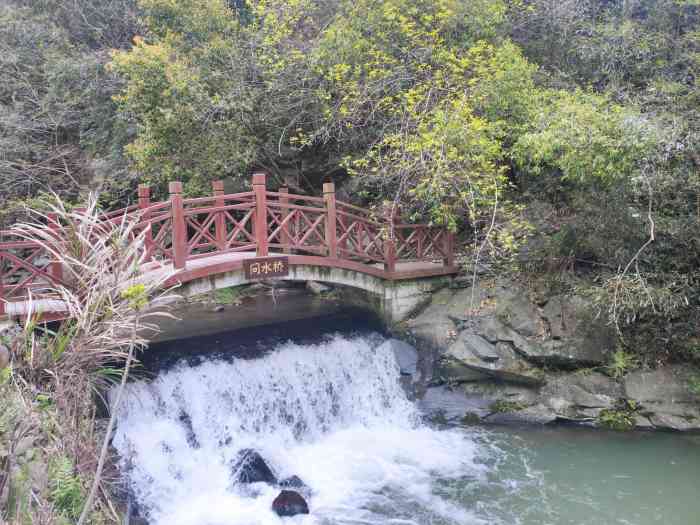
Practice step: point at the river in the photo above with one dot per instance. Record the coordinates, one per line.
(328, 408)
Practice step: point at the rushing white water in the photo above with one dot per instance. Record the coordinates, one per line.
(333, 414)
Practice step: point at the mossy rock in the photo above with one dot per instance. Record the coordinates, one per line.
(503, 406)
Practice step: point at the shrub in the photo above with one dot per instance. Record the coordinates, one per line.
(621, 417)
(621, 363)
(67, 492)
(694, 385)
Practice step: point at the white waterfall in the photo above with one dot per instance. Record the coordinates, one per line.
(332, 413)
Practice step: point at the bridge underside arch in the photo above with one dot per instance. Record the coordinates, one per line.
(395, 299)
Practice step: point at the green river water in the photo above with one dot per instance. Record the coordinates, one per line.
(558, 476)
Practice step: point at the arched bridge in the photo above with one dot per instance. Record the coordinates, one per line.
(208, 240)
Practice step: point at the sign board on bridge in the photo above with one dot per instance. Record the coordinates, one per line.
(266, 267)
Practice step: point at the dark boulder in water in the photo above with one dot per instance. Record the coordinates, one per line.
(292, 482)
(290, 503)
(191, 437)
(250, 467)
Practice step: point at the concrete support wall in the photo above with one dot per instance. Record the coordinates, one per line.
(396, 299)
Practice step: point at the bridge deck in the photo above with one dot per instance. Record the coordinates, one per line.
(218, 263)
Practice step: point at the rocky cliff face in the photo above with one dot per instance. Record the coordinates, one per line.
(493, 353)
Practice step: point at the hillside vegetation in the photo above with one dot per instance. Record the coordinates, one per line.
(559, 137)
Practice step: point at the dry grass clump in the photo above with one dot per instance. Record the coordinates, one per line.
(58, 373)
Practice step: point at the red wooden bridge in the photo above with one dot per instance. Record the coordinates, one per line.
(207, 236)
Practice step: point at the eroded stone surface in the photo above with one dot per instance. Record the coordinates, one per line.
(433, 326)
(495, 337)
(664, 396)
(498, 360)
(406, 355)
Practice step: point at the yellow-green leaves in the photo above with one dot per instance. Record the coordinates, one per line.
(197, 19)
(187, 109)
(586, 137)
(136, 296)
(434, 99)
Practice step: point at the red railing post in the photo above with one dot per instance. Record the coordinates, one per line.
(390, 214)
(179, 233)
(449, 259)
(55, 268)
(144, 193)
(260, 213)
(331, 237)
(420, 234)
(285, 238)
(220, 219)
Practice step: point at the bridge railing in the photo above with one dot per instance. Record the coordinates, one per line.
(182, 229)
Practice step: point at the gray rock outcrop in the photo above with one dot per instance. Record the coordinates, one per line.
(506, 356)
(406, 355)
(663, 397)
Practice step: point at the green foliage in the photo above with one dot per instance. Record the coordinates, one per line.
(67, 491)
(586, 138)
(504, 406)
(192, 113)
(621, 362)
(694, 385)
(456, 108)
(5, 375)
(230, 295)
(621, 418)
(442, 113)
(136, 295)
(62, 339)
(55, 107)
(44, 401)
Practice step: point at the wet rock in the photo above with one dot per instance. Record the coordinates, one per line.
(191, 437)
(292, 482)
(218, 308)
(432, 326)
(463, 304)
(578, 337)
(580, 396)
(495, 331)
(493, 336)
(664, 396)
(533, 415)
(250, 467)
(496, 360)
(515, 309)
(406, 355)
(4, 356)
(317, 288)
(553, 313)
(452, 371)
(643, 422)
(452, 404)
(588, 350)
(290, 503)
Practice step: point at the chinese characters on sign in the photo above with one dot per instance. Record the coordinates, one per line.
(266, 267)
